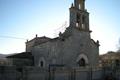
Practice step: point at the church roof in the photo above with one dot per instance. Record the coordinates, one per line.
(40, 39)
(26, 55)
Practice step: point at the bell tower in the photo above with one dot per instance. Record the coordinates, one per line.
(79, 4)
(79, 17)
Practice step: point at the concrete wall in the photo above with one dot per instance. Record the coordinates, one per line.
(57, 73)
(9, 73)
(35, 73)
(117, 74)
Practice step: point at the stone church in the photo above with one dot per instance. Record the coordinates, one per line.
(73, 48)
(71, 56)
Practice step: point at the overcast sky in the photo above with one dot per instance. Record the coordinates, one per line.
(22, 19)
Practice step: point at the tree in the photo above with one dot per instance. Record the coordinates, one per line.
(118, 46)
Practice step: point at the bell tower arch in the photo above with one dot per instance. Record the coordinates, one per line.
(79, 17)
(79, 4)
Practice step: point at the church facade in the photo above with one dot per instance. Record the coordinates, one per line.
(71, 56)
(73, 48)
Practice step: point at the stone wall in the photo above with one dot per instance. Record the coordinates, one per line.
(59, 73)
(9, 73)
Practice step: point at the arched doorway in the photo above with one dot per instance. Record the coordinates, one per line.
(41, 62)
(81, 62)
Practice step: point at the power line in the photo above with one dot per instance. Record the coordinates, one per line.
(12, 37)
(60, 29)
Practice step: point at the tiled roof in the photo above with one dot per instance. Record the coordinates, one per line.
(21, 55)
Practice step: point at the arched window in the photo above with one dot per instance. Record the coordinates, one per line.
(79, 6)
(77, 24)
(83, 19)
(78, 18)
(41, 63)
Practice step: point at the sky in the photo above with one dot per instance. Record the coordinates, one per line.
(23, 19)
